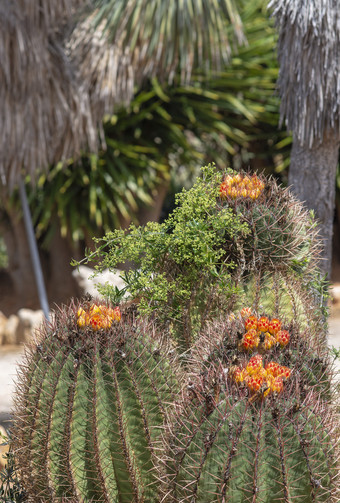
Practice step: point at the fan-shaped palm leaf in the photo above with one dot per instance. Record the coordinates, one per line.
(167, 36)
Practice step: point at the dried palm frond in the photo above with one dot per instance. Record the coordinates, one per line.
(48, 14)
(167, 36)
(53, 99)
(46, 114)
(309, 57)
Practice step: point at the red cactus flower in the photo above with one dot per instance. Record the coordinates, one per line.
(255, 382)
(263, 324)
(254, 364)
(250, 340)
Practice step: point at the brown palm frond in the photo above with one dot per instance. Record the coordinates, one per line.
(309, 57)
(54, 97)
(46, 113)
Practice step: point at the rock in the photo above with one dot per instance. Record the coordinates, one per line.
(12, 330)
(88, 285)
(3, 448)
(3, 321)
(29, 321)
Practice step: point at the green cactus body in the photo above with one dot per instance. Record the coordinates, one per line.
(282, 293)
(90, 414)
(252, 452)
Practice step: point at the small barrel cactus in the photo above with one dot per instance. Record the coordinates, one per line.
(282, 233)
(90, 407)
(247, 333)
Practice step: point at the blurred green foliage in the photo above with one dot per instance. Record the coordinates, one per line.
(3, 254)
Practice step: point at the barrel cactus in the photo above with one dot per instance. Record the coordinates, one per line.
(90, 406)
(282, 233)
(256, 422)
(247, 448)
(275, 337)
(229, 231)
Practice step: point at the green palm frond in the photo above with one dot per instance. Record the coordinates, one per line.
(170, 37)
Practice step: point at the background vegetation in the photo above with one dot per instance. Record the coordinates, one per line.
(156, 144)
(167, 133)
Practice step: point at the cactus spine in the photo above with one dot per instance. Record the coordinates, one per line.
(90, 412)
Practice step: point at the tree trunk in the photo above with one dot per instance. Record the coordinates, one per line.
(19, 260)
(312, 179)
(19, 285)
(61, 284)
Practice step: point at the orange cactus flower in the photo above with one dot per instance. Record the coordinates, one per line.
(246, 312)
(251, 323)
(277, 385)
(238, 374)
(263, 324)
(269, 341)
(98, 317)
(250, 340)
(273, 369)
(284, 372)
(282, 338)
(241, 186)
(254, 364)
(255, 382)
(274, 326)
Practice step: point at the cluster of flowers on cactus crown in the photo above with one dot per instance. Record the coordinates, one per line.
(241, 186)
(262, 332)
(98, 316)
(258, 378)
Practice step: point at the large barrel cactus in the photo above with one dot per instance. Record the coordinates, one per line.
(90, 408)
(244, 450)
(256, 423)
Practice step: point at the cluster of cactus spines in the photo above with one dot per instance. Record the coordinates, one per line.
(90, 409)
(282, 232)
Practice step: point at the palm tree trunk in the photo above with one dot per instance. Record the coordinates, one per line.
(312, 179)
